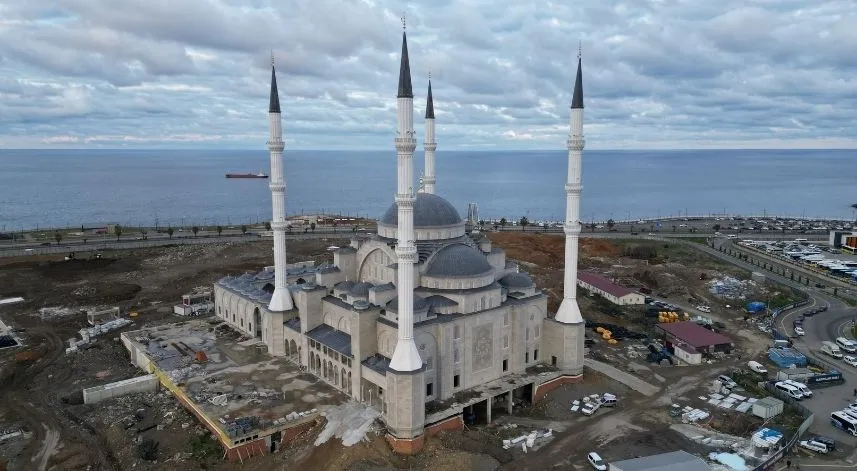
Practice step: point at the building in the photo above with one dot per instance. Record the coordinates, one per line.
(421, 310)
(692, 336)
(672, 461)
(608, 290)
(837, 238)
(850, 243)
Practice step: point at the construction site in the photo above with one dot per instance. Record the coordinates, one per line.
(158, 387)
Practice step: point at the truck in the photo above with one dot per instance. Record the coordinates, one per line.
(831, 349)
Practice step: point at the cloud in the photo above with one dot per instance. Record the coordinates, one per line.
(657, 73)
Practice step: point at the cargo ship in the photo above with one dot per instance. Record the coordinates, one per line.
(246, 175)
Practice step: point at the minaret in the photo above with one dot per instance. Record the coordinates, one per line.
(405, 418)
(569, 312)
(429, 145)
(405, 357)
(281, 299)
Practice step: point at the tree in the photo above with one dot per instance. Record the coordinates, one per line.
(481, 222)
(610, 224)
(334, 224)
(544, 227)
(243, 230)
(58, 237)
(592, 227)
(502, 222)
(312, 226)
(524, 222)
(144, 233)
(716, 227)
(195, 230)
(675, 228)
(170, 232)
(219, 230)
(117, 229)
(267, 226)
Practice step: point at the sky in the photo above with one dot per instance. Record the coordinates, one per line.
(658, 74)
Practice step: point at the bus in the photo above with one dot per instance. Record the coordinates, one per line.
(843, 421)
(801, 241)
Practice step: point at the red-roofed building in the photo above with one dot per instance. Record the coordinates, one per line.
(692, 336)
(607, 289)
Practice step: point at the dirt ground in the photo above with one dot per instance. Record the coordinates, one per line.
(40, 385)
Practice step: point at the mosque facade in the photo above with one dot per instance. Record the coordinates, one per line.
(420, 311)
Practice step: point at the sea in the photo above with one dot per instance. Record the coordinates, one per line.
(69, 188)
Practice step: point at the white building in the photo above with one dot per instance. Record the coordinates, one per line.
(608, 290)
(469, 318)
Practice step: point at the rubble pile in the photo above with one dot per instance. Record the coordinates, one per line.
(731, 288)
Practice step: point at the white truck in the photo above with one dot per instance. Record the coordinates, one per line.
(831, 349)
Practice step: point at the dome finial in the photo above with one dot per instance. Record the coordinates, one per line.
(272, 58)
(579, 49)
(404, 22)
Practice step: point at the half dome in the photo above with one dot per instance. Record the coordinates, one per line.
(457, 260)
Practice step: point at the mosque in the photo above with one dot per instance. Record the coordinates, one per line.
(422, 310)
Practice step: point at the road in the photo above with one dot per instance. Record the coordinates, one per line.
(827, 325)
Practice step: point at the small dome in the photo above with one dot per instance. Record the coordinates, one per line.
(517, 280)
(360, 289)
(429, 211)
(458, 260)
(344, 285)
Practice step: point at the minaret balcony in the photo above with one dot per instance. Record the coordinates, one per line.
(277, 187)
(406, 253)
(430, 146)
(571, 228)
(576, 143)
(573, 188)
(405, 200)
(278, 225)
(276, 146)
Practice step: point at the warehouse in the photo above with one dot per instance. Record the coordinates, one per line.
(673, 461)
(697, 338)
(610, 291)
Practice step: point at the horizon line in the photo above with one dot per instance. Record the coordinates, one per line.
(374, 149)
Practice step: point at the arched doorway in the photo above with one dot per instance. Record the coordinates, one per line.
(342, 378)
(300, 281)
(257, 322)
(293, 348)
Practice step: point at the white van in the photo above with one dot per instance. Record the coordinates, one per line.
(801, 387)
(608, 400)
(831, 349)
(845, 344)
(757, 367)
(792, 391)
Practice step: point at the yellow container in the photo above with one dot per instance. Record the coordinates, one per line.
(612, 341)
(599, 329)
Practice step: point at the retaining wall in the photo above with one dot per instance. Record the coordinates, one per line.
(96, 394)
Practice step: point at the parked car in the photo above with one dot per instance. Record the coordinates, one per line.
(850, 359)
(799, 331)
(817, 447)
(757, 367)
(831, 443)
(596, 462)
(589, 408)
(727, 381)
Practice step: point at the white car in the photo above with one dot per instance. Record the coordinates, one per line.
(850, 359)
(811, 445)
(596, 461)
(589, 408)
(799, 331)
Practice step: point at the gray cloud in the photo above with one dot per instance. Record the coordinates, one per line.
(657, 73)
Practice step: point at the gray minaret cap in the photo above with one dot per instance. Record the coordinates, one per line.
(577, 98)
(429, 104)
(405, 89)
(274, 104)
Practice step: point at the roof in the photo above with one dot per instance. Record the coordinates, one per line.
(429, 104)
(603, 284)
(294, 323)
(458, 260)
(274, 103)
(335, 339)
(430, 210)
(673, 461)
(577, 98)
(405, 89)
(419, 304)
(694, 334)
(769, 401)
(360, 289)
(377, 363)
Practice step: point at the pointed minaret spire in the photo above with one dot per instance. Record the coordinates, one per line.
(577, 98)
(274, 103)
(429, 102)
(429, 145)
(405, 89)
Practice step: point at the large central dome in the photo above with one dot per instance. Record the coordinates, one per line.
(429, 211)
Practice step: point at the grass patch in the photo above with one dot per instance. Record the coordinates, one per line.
(204, 448)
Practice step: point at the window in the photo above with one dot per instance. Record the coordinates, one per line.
(505, 341)
(455, 355)
(553, 360)
(506, 318)
(506, 365)
(536, 355)
(456, 332)
(429, 363)
(526, 357)
(429, 388)
(537, 331)
(456, 381)
(528, 334)
(242, 322)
